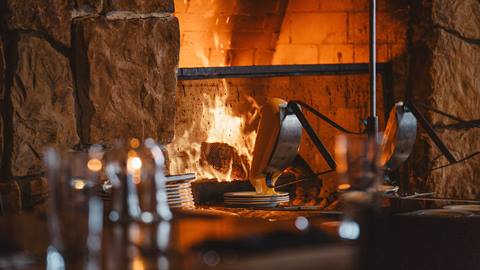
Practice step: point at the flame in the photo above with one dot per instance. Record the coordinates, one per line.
(221, 126)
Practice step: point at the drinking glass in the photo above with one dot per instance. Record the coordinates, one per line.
(140, 203)
(358, 163)
(75, 213)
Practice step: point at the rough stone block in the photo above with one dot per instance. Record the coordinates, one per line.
(125, 71)
(10, 198)
(82, 7)
(48, 16)
(34, 192)
(460, 16)
(2, 89)
(2, 70)
(455, 80)
(141, 6)
(461, 180)
(43, 104)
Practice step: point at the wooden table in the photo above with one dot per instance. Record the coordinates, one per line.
(189, 229)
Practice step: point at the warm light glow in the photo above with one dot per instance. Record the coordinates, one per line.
(78, 184)
(134, 163)
(138, 263)
(344, 186)
(134, 143)
(221, 125)
(94, 165)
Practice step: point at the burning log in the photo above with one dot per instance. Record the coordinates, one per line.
(225, 159)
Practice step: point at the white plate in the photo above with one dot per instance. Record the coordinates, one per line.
(464, 207)
(180, 200)
(262, 205)
(252, 194)
(181, 177)
(183, 197)
(257, 200)
(441, 213)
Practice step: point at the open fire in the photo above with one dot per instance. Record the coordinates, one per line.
(219, 143)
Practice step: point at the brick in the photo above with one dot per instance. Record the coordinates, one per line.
(263, 57)
(246, 23)
(196, 22)
(303, 5)
(255, 7)
(209, 8)
(219, 58)
(219, 40)
(390, 28)
(295, 54)
(388, 52)
(181, 6)
(191, 56)
(342, 5)
(273, 23)
(243, 57)
(360, 53)
(318, 28)
(253, 40)
(333, 54)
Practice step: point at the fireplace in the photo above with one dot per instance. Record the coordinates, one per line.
(218, 113)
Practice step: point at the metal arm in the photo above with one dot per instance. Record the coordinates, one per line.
(430, 131)
(293, 107)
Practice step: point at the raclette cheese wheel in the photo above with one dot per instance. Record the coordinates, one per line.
(267, 134)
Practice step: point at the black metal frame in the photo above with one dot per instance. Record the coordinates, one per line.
(384, 69)
(276, 70)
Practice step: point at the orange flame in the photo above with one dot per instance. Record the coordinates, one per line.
(222, 126)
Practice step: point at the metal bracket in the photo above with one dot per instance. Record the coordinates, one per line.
(430, 131)
(294, 107)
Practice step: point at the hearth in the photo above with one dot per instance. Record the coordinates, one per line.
(218, 112)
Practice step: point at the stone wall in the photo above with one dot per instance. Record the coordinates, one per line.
(445, 74)
(81, 72)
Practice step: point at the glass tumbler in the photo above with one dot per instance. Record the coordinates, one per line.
(75, 213)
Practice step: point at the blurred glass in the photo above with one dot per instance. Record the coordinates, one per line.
(140, 204)
(137, 174)
(358, 163)
(75, 214)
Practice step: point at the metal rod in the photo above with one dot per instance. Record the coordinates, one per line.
(313, 136)
(276, 70)
(430, 131)
(372, 121)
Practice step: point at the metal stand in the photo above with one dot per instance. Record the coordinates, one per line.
(372, 121)
(430, 131)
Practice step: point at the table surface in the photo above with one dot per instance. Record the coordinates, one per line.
(28, 234)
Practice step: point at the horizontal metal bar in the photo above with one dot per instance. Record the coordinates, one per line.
(275, 71)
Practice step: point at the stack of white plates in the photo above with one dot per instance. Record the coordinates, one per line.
(179, 191)
(252, 199)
